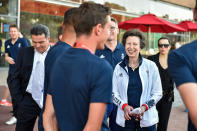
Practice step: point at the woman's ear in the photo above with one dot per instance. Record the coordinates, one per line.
(169, 47)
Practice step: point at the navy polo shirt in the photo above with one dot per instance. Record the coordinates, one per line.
(12, 50)
(54, 52)
(79, 78)
(182, 64)
(112, 57)
(134, 90)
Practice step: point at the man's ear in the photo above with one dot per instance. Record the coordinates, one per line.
(63, 25)
(98, 29)
(48, 38)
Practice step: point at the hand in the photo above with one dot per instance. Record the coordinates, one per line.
(127, 112)
(136, 113)
(143, 109)
(10, 60)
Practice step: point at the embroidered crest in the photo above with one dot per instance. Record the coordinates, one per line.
(147, 71)
(102, 56)
(122, 56)
(121, 75)
(19, 45)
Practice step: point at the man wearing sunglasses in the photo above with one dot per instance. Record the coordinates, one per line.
(183, 68)
(165, 104)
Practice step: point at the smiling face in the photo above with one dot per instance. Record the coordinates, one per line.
(132, 46)
(13, 33)
(40, 43)
(164, 46)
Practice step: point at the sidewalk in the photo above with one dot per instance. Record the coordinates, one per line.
(177, 122)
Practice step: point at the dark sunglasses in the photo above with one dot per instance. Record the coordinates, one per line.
(163, 45)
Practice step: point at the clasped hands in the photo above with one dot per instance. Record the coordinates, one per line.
(136, 113)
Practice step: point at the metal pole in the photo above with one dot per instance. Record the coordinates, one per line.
(148, 39)
(19, 10)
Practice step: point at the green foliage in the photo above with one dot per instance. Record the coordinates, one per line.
(29, 19)
(4, 7)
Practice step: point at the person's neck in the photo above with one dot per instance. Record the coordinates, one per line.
(14, 40)
(87, 41)
(133, 61)
(111, 45)
(69, 38)
(163, 56)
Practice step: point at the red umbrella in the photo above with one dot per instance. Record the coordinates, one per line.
(150, 22)
(188, 25)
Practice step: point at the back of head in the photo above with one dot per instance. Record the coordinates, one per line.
(195, 12)
(89, 15)
(68, 16)
(196, 5)
(40, 29)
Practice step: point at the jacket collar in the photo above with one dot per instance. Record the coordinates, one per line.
(125, 63)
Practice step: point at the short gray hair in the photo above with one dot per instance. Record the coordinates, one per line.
(40, 29)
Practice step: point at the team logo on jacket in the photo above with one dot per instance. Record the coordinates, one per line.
(122, 56)
(8, 46)
(102, 56)
(121, 75)
(19, 45)
(147, 71)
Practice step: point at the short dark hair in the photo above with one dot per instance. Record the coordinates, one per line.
(13, 26)
(40, 29)
(68, 16)
(196, 5)
(134, 32)
(163, 37)
(89, 15)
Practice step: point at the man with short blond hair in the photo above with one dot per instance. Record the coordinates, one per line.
(12, 47)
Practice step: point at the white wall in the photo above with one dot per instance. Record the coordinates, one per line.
(156, 7)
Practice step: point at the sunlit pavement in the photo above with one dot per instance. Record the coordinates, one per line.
(178, 118)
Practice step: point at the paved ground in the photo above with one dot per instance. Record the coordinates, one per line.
(177, 122)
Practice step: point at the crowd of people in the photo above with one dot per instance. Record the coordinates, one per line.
(88, 77)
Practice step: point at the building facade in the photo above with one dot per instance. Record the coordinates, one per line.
(25, 13)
